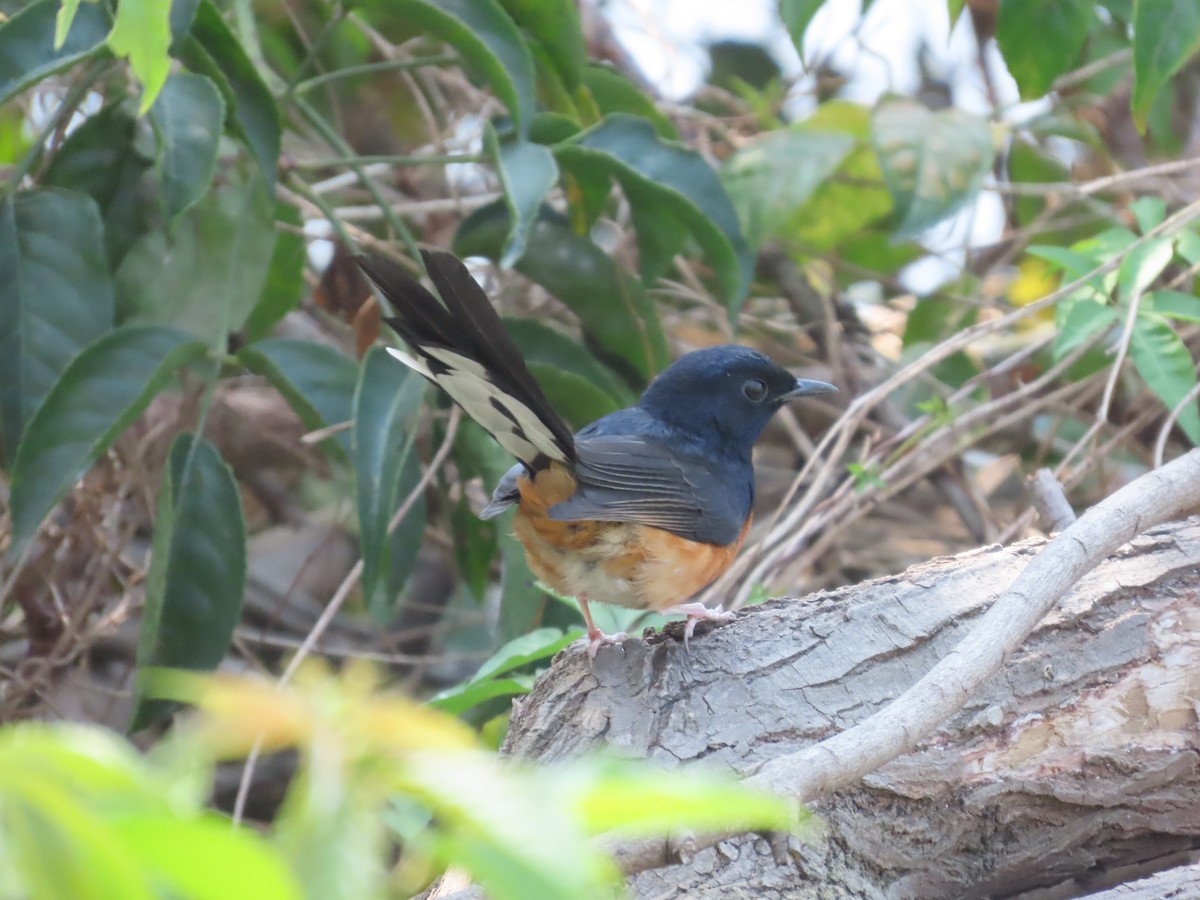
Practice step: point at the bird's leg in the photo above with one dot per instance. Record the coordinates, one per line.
(596, 637)
(695, 612)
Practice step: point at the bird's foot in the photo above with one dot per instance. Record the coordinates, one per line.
(598, 639)
(696, 612)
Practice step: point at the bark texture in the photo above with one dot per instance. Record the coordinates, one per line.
(1075, 768)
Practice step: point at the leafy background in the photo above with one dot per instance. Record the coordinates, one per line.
(209, 461)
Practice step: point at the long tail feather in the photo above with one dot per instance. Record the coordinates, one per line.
(464, 349)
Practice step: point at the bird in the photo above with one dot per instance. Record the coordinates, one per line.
(644, 507)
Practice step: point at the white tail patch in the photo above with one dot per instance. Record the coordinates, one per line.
(411, 361)
(514, 426)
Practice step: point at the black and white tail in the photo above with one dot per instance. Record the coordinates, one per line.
(462, 347)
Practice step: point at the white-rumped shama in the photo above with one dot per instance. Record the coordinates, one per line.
(642, 508)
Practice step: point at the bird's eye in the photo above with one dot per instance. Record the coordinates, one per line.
(755, 390)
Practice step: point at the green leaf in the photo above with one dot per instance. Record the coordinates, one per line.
(797, 15)
(578, 386)
(285, 276)
(1078, 322)
(55, 297)
(552, 128)
(1041, 39)
(1028, 162)
(476, 542)
(475, 546)
(317, 381)
(770, 179)
(250, 107)
(15, 138)
(615, 93)
(387, 397)
(552, 93)
(102, 158)
(197, 576)
(1142, 266)
(206, 274)
(462, 697)
(205, 859)
(522, 602)
(187, 118)
(62, 23)
(613, 307)
(527, 173)
(673, 193)
(1149, 212)
(579, 400)
(141, 33)
(933, 162)
(541, 344)
(29, 52)
(935, 318)
(855, 197)
(876, 252)
(555, 25)
(542, 643)
(1073, 263)
(1164, 362)
(99, 394)
(183, 14)
(954, 8)
(1174, 305)
(489, 42)
(1187, 245)
(1166, 34)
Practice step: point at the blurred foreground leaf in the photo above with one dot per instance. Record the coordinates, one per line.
(522, 832)
(87, 817)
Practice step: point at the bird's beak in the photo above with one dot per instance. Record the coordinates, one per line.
(806, 387)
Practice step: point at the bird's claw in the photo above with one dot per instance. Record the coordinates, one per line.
(598, 639)
(696, 612)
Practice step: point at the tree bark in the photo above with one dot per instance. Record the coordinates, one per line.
(1075, 768)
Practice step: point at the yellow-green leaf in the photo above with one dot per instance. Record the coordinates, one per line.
(142, 34)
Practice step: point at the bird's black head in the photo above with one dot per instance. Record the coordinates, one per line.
(727, 392)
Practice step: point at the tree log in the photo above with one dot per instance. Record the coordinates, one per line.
(1075, 768)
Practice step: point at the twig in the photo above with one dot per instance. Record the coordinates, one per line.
(373, 213)
(1097, 185)
(1096, 67)
(1050, 500)
(1160, 444)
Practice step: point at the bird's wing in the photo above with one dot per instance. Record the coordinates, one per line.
(623, 478)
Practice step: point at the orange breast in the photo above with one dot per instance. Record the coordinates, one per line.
(621, 563)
